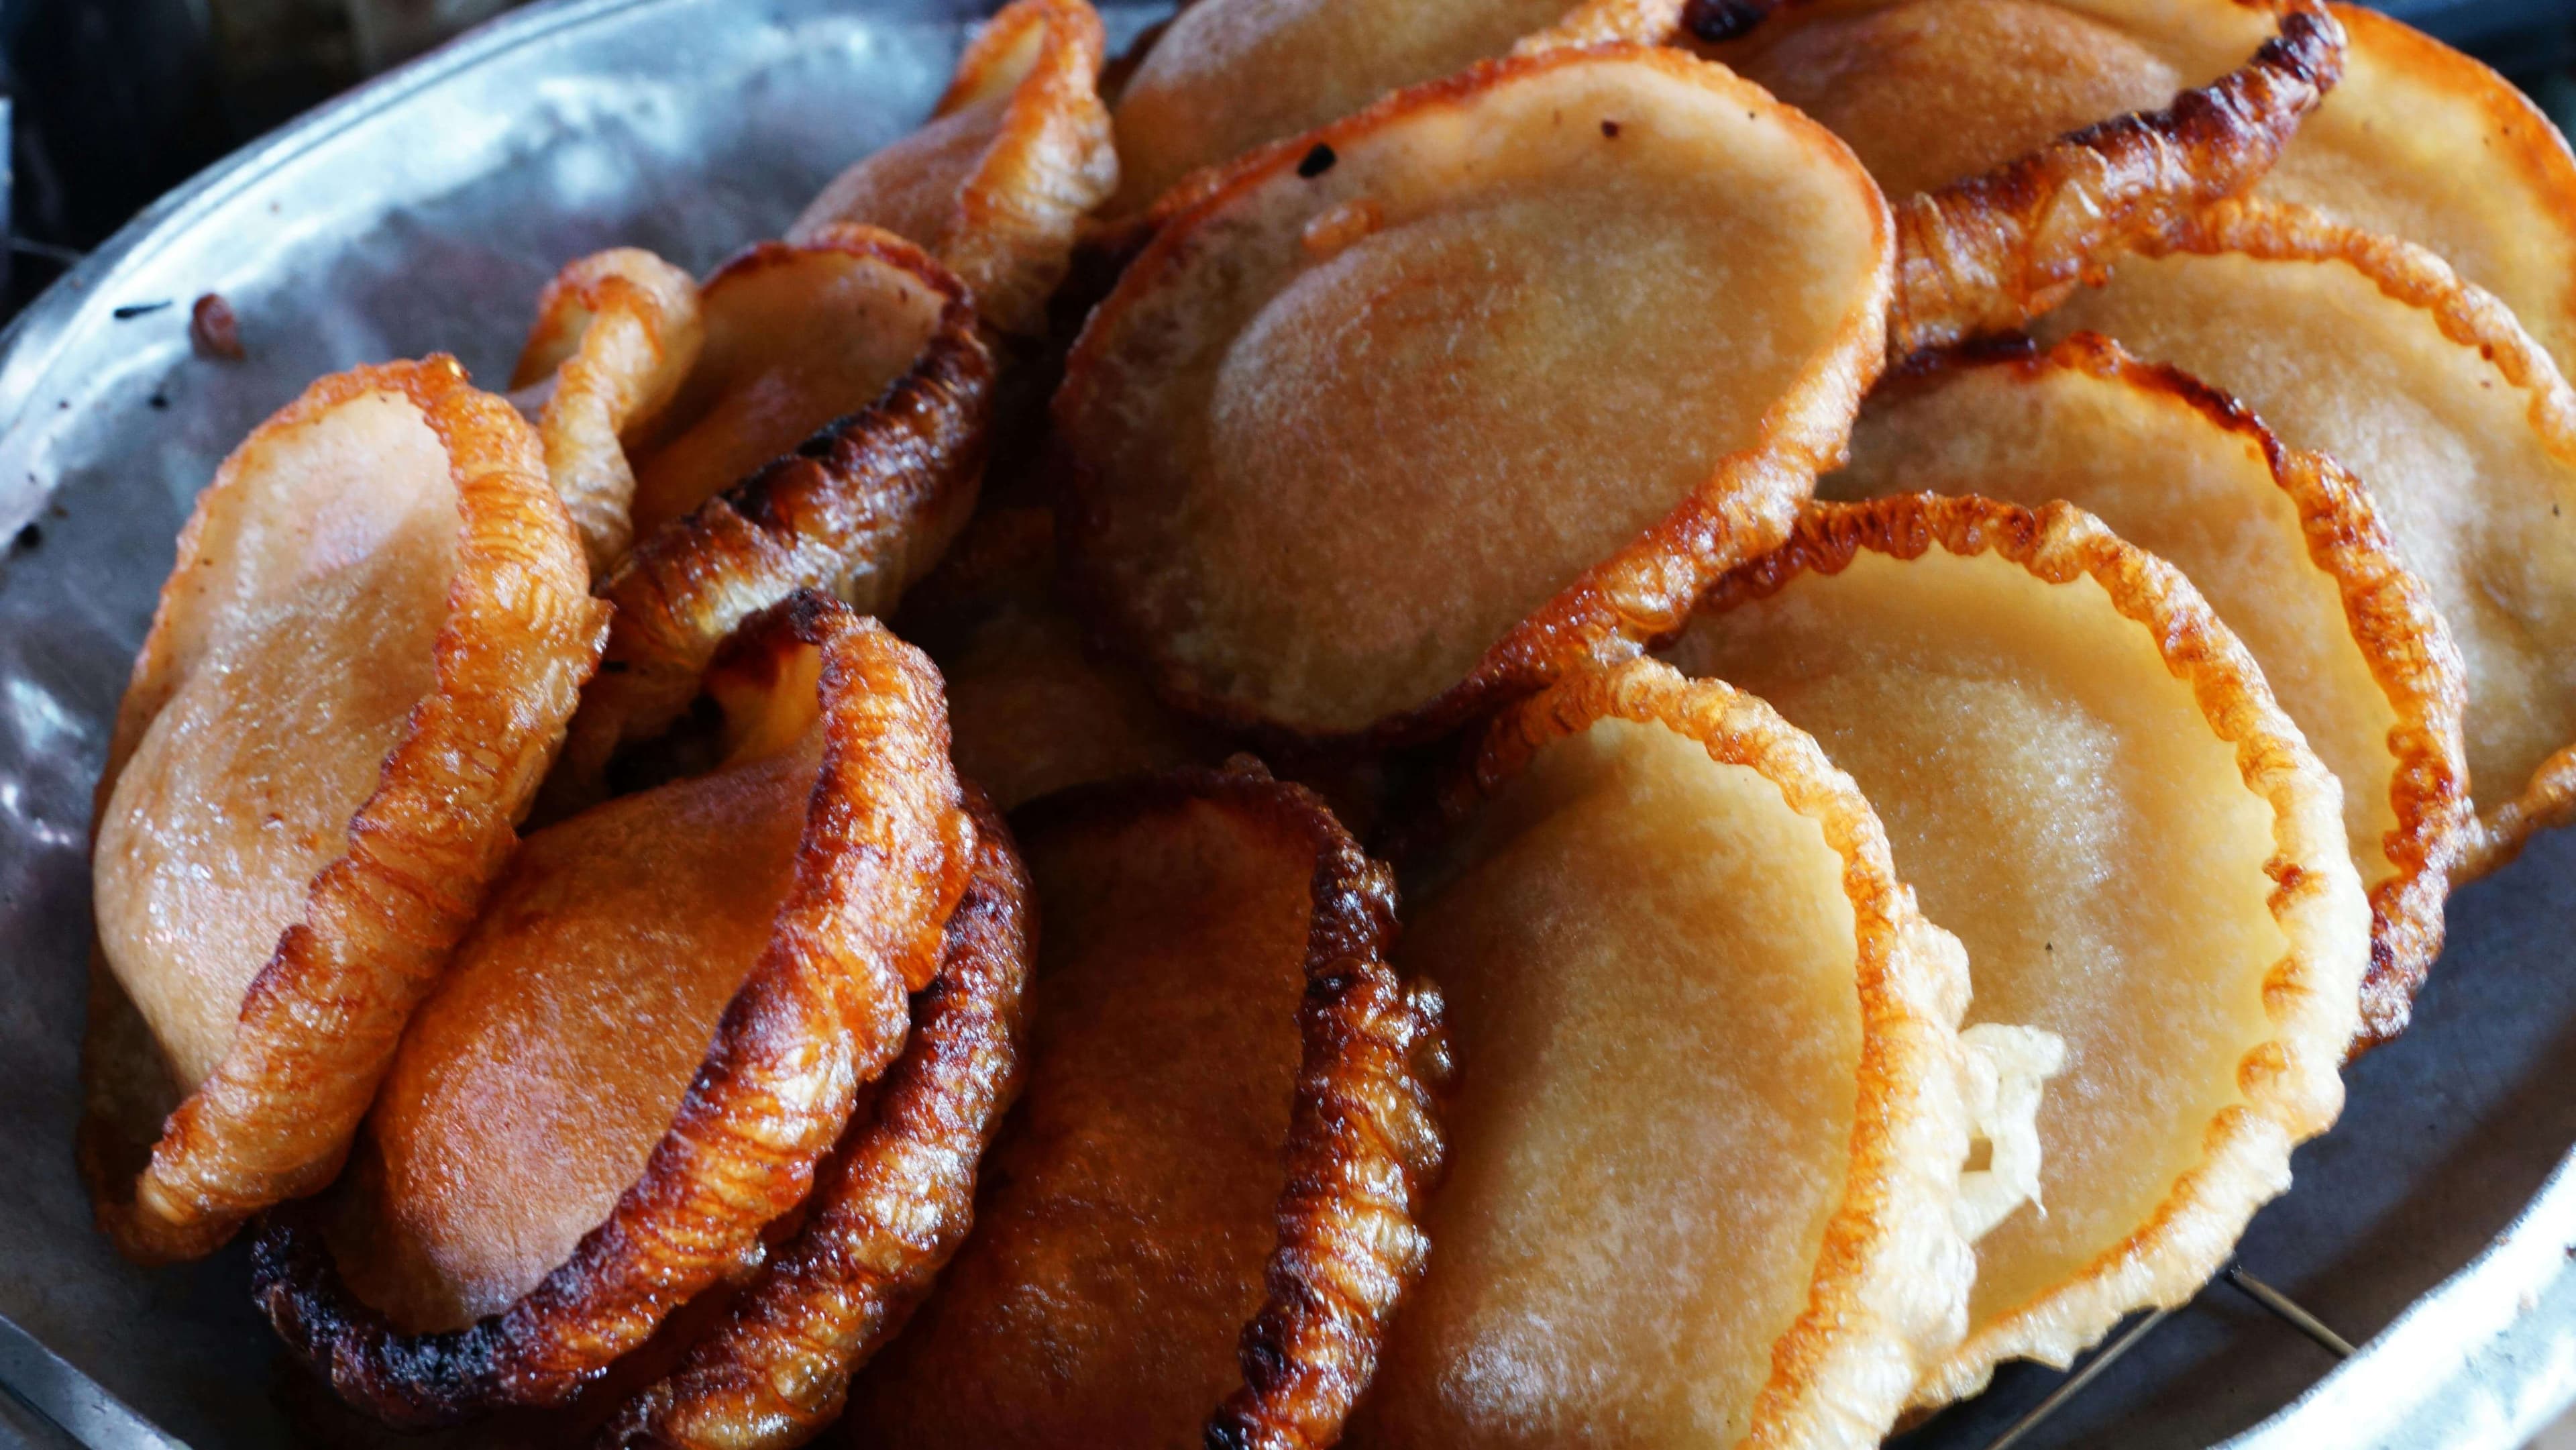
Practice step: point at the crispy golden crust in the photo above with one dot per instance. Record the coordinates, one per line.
(860, 510)
(2401, 637)
(888, 1210)
(881, 865)
(2471, 317)
(1987, 254)
(275, 1119)
(1892, 1273)
(2290, 1084)
(1641, 589)
(616, 332)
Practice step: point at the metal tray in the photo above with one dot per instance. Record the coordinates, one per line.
(423, 211)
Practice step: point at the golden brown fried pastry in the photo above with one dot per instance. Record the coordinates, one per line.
(1706, 1147)
(889, 1207)
(1032, 708)
(359, 668)
(2374, 352)
(2284, 544)
(1197, 1222)
(1017, 154)
(2085, 777)
(831, 437)
(615, 334)
(1416, 411)
(559, 1158)
(2028, 140)
(2421, 142)
(1229, 75)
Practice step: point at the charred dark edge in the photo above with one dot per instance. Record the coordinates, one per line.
(1969, 253)
(944, 1099)
(560, 1336)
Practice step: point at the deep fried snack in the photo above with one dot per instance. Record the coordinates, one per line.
(1032, 708)
(1707, 1142)
(615, 334)
(1227, 76)
(1017, 154)
(2284, 544)
(888, 1209)
(357, 672)
(2372, 351)
(2085, 777)
(558, 1159)
(2029, 140)
(1383, 432)
(845, 378)
(1149, 1266)
(2421, 142)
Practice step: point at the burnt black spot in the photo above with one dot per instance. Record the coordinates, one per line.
(133, 310)
(1610, 130)
(29, 537)
(160, 400)
(1316, 161)
(1718, 21)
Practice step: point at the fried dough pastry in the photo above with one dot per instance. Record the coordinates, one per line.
(2284, 544)
(1227, 76)
(1709, 1127)
(1382, 432)
(1017, 154)
(1196, 1225)
(889, 1208)
(358, 669)
(2374, 352)
(2028, 140)
(1032, 708)
(831, 437)
(616, 332)
(2085, 777)
(559, 1157)
(2421, 142)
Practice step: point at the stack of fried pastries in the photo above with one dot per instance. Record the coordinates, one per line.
(1683, 722)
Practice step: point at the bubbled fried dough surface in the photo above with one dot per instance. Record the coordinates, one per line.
(2055, 797)
(306, 673)
(1133, 1199)
(534, 1084)
(1649, 970)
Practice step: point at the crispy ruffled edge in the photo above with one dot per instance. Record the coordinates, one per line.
(1890, 1292)
(879, 869)
(1364, 1148)
(617, 332)
(319, 1023)
(859, 511)
(1644, 587)
(887, 1212)
(2394, 623)
(1987, 254)
(2467, 315)
(2291, 1082)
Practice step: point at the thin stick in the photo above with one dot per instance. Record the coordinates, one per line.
(2289, 1312)
(2111, 1349)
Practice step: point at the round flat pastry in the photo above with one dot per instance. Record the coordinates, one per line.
(1227, 76)
(615, 334)
(2421, 142)
(2372, 351)
(889, 1208)
(2284, 544)
(1706, 1147)
(2085, 777)
(2026, 140)
(1017, 154)
(1032, 708)
(359, 667)
(1196, 1224)
(641, 1052)
(1409, 416)
(831, 437)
